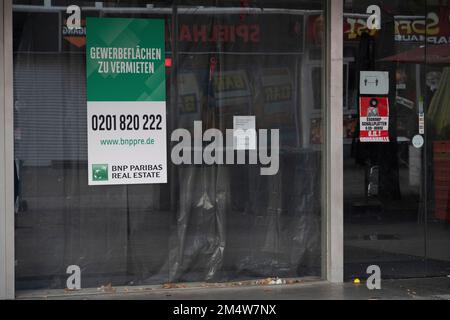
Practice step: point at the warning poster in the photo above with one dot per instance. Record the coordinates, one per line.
(374, 117)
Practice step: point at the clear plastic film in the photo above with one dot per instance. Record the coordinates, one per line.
(209, 223)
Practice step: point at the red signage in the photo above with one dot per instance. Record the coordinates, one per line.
(374, 119)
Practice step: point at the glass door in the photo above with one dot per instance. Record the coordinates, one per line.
(384, 187)
(397, 192)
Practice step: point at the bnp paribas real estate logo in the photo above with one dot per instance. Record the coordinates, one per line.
(100, 172)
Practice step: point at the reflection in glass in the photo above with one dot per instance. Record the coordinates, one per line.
(209, 223)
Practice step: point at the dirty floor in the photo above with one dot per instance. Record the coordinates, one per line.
(420, 289)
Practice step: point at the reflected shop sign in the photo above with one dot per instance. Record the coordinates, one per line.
(435, 28)
(208, 33)
(253, 33)
(408, 29)
(213, 33)
(196, 33)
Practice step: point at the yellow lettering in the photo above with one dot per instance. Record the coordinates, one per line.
(433, 24)
(352, 34)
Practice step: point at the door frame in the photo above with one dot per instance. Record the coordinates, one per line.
(7, 290)
(333, 232)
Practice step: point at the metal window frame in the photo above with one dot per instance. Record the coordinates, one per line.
(333, 225)
(7, 290)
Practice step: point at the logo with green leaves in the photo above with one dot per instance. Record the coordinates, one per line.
(100, 172)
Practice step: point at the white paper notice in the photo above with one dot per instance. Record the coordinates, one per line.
(244, 132)
(374, 82)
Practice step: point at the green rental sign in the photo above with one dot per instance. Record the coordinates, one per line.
(126, 107)
(125, 59)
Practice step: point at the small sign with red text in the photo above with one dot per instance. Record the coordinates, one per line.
(374, 119)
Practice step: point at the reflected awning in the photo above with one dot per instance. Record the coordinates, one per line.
(434, 54)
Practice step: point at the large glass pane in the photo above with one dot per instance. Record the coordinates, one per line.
(209, 223)
(384, 189)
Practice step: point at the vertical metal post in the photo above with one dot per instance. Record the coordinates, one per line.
(173, 120)
(2, 166)
(6, 154)
(334, 162)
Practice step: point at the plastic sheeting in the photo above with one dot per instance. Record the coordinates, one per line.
(209, 223)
